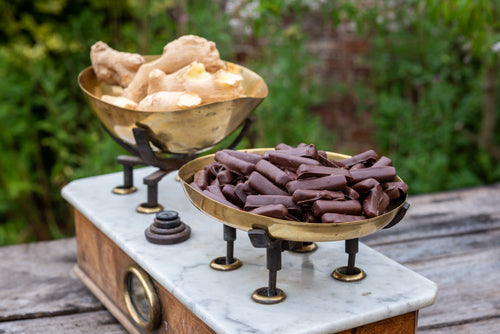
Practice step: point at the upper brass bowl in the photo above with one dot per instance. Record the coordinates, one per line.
(185, 131)
(279, 228)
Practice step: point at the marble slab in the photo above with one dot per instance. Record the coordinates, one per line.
(315, 303)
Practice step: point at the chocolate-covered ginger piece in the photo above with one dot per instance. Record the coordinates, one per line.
(302, 184)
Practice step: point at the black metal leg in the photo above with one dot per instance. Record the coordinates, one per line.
(273, 265)
(229, 237)
(228, 262)
(351, 248)
(270, 294)
(128, 164)
(152, 206)
(350, 273)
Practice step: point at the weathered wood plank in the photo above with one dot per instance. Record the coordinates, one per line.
(468, 286)
(36, 280)
(80, 323)
(458, 247)
(452, 238)
(478, 326)
(445, 214)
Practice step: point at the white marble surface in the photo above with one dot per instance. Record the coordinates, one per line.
(315, 303)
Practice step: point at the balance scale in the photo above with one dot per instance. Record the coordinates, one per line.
(152, 288)
(157, 266)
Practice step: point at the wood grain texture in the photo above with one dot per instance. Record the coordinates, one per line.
(452, 238)
(77, 323)
(403, 324)
(36, 280)
(104, 263)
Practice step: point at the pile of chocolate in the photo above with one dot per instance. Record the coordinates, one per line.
(302, 184)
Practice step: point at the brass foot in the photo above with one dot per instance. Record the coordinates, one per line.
(221, 265)
(340, 274)
(144, 208)
(307, 248)
(122, 190)
(261, 296)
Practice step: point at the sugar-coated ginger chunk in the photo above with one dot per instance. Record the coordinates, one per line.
(168, 101)
(114, 67)
(176, 54)
(120, 101)
(211, 87)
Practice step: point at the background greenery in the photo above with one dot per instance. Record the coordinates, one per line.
(432, 91)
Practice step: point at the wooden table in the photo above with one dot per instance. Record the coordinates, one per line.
(452, 238)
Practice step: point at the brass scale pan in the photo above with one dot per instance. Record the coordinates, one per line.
(279, 228)
(185, 131)
(189, 131)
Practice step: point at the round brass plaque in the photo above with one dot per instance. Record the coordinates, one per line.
(141, 299)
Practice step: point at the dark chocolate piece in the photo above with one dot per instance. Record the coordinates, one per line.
(248, 189)
(291, 174)
(230, 195)
(307, 171)
(329, 218)
(213, 169)
(351, 193)
(383, 161)
(282, 146)
(381, 174)
(359, 165)
(306, 151)
(395, 190)
(215, 189)
(345, 207)
(368, 158)
(201, 179)
(256, 201)
(310, 218)
(234, 164)
(376, 202)
(220, 199)
(325, 161)
(195, 186)
(263, 186)
(307, 196)
(274, 210)
(240, 192)
(290, 162)
(247, 156)
(332, 182)
(225, 177)
(362, 187)
(272, 172)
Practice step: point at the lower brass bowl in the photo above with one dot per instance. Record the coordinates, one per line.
(279, 228)
(185, 131)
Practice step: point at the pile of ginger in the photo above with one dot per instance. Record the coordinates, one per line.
(189, 73)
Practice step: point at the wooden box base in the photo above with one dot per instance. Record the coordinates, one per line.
(101, 267)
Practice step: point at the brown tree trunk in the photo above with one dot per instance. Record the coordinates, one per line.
(486, 138)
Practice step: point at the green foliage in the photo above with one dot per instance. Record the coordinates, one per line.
(428, 63)
(428, 93)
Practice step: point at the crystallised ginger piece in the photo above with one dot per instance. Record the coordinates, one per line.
(114, 67)
(168, 101)
(176, 55)
(211, 87)
(120, 101)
